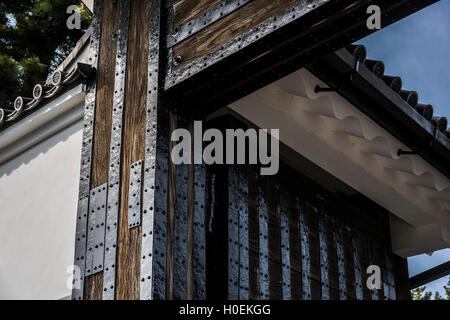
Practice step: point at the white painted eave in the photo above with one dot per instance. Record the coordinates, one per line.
(331, 132)
(51, 118)
(89, 4)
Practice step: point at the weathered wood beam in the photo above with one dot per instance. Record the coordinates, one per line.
(273, 49)
(133, 146)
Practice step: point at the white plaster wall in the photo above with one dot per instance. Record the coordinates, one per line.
(38, 202)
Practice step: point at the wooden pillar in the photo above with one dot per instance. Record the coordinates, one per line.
(401, 278)
(126, 147)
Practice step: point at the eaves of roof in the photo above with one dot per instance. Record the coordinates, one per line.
(363, 83)
(67, 75)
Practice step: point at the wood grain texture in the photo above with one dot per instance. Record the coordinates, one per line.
(103, 119)
(133, 148)
(186, 10)
(105, 94)
(228, 28)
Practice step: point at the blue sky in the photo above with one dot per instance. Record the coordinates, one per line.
(417, 49)
(424, 262)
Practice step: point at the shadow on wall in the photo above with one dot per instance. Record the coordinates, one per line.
(41, 147)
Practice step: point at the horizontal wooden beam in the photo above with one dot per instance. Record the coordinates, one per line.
(201, 80)
(186, 10)
(430, 275)
(228, 28)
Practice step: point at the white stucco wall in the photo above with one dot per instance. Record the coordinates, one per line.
(38, 201)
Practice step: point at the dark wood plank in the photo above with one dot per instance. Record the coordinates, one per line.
(263, 240)
(333, 275)
(275, 270)
(186, 10)
(349, 263)
(228, 28)
(312, 222)
(364, 258)
(217, 234)
(198, 259)
(133, 149)
(162, 154)
(105, 93)
(103, 119)
(233, 233)
(180, 226)
(402, 287)
(243, 235)
(253, 230)
(170, 215)
(295, 249)
(192, 198)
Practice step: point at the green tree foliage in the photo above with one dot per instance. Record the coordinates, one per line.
(421, 293)
(34, 40)
(447, 289)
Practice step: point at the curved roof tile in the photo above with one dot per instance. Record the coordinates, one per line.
(42, 92)
(396, 84)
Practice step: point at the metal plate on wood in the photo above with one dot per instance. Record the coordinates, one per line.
(388, 276)
(96, 230)
(357, 266)
(154, 221)
(384, 273)
(285, 247)
(374, 292)
(233, 234)
(340, 255)
(242, 41)
(306, 262)
(86, 155)
(135, 195)
(179, 33)
(112, 214)
(180, 233)
(323, 244)
(80, 249)
(199, 232)
(263, 242)
(243, 237)
(391, 277)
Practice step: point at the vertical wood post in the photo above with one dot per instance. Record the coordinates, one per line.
(86, 160)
